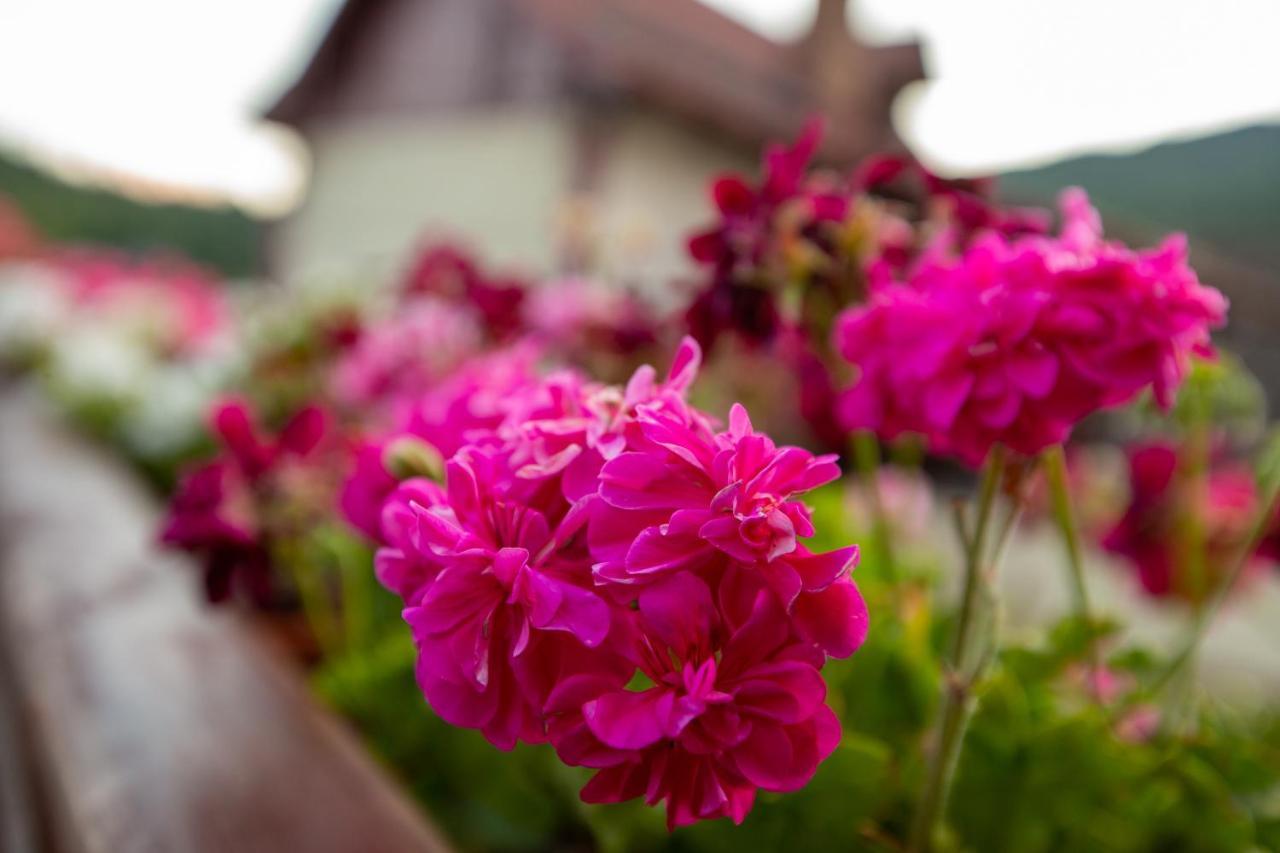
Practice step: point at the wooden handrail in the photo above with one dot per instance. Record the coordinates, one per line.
(152, 721)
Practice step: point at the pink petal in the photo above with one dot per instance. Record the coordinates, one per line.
(785, 691)
(556, 605)
(631, 720)
(679, 611)
(944, 397)
(1033, 372)
(819, 571)
(835, 619)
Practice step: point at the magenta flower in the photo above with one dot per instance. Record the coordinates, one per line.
(584, 318)
(596, 530)
(209, 516)
(745, 246)
(722, 506)
(366, 490)
(217, 511)
(449, 271)
(1015, 342)
(179, 306)
(737, 704)
(487, 625)
(1161, 504)
(406, 355)
(404, 564)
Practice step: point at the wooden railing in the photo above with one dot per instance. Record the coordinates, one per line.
(134, 717)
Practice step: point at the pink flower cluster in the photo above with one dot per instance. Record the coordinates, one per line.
(180, 306)
(790, 251)
(1014, 341)
(605, 570)
(451, 272)
(1164, 504)
(746, 250)
(220, 510)
(582, 318)
(406, 354)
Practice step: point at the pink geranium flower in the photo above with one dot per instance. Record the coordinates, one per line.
(737, 704)
(509, 580)
(405, 355)
(1014, 342)
(595, 530)
(179, 306)
(722, 505)
(1164, 502)
(218, 511)
(451, 272)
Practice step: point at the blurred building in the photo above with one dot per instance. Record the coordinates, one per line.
(557, 134)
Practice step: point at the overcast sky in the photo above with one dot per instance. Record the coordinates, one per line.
(165, 92)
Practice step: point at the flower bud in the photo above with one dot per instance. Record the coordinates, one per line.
(408, 457)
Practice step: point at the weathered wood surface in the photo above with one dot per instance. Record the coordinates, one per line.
(153, 722)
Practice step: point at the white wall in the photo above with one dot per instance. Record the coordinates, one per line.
(653, 191)
(497, 180)
(501, 181)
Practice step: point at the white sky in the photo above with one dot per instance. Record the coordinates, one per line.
(164, 93)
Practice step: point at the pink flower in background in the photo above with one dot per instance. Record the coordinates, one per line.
(586, 317)
(738, 248)
(218, 511)
(966, 202)
(451, 272)
(1015, 342)
(1164, 505)
(1122, 321)
(210, 515)
(407, 354)
(178, 306)
(366, 489)
(959, 365)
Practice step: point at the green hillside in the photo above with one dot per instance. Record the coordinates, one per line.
(223, 238)
(1223, 190)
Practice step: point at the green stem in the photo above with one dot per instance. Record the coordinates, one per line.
(977, 542)
(1055, 470)
(1205, 615)
(316, 607)
(957, 697)
(866, 458)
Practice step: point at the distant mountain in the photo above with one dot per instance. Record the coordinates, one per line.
(223, 238)
(1223, 190)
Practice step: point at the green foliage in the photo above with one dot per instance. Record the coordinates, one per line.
(1045, 770)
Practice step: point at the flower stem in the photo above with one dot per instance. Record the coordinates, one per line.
(866, 458)
(1055, 470)
(316, 607)
(977, 542)
(957, 696)
(1206, 614)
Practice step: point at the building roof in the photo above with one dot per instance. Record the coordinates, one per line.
(679, 56)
